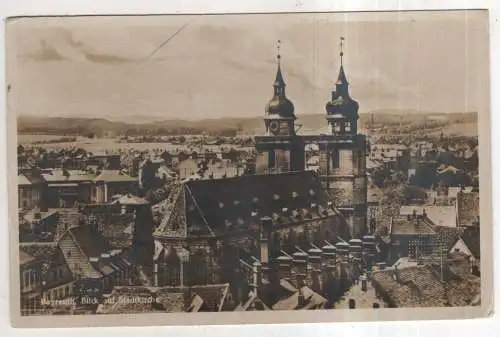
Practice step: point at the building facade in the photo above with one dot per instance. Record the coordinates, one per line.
(281, 149)
(342, 152)
(342, 166)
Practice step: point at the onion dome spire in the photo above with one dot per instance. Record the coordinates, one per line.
(342, 107)
(342, 78)
(280, 104)
(279, 83)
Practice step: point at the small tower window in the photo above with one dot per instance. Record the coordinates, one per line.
(336, 128)
(335, 159)
(347, 126)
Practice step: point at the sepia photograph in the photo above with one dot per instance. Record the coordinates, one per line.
(212, 164)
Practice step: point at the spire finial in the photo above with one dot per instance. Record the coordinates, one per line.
(342, 50)
(278, 45)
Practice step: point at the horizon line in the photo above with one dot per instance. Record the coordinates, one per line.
(159, 119)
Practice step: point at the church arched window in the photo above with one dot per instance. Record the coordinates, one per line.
(198, 269)
(336, 128)
(172, 270)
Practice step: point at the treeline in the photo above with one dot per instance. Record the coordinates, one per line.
(103, 128)
(224, 127)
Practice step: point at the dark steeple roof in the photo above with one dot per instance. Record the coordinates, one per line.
(279, 82)
(342, 79)
(341, 102)
(280, 105)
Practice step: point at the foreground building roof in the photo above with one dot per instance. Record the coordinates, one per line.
(140, 299)
(216, 207)
(428, 286)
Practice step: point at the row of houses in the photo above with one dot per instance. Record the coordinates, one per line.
(74, 269)
(56, 188)
(418, 233)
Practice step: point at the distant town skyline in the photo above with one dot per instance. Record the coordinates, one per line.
(224, 66)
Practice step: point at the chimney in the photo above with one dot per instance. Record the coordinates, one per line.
(342, 250)
(300, 268)
(356, 248)
(92, 223)
(414, 214)
(315, 262)
(43, 206)
(255, 207)
(257, 277)
(329, 257)
(105, 258)
(370, 260)
(285, 267)
(315, 259)
(265, 233)
(396, 274)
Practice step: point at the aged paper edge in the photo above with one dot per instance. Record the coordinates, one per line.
(273, 317)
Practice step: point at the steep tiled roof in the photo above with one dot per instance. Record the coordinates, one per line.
(237, 203)
(471, 238)
(140, 299)
(403, 225)
(69, 216)
(468, 208)
(37, 214)
(39, 250)
(91, 243)
(23, 181)
(50, 256)
(439, 215)
(421, 287)
(129, 199)
(58, 175)
(25, 257)
(312, 300)
(114, 176)
(254, 303)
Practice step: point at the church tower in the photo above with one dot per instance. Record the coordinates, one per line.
(280, 150)
(343, 155)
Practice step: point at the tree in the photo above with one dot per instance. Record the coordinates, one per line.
(424, 177)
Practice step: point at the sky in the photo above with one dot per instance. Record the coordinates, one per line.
(224, 65)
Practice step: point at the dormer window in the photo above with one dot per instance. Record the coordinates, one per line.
(348, 126)
(221, 205)
(295, 195)
(284, 209)
(254, 213)
(236, 202)
(276, 197)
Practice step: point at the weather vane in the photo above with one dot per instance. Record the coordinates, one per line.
(278, 45)
(342, 39)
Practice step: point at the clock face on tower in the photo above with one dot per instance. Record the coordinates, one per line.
(274, 127)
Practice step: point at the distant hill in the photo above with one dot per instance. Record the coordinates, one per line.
(103, 127)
